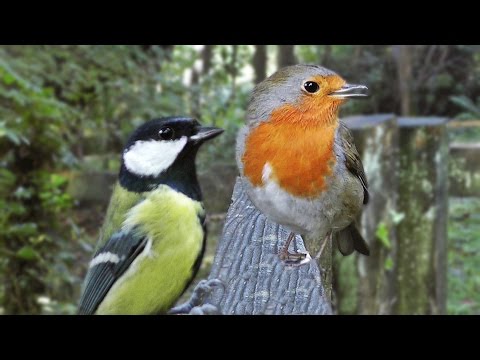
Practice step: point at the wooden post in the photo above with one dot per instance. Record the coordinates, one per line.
(464, 172)
(256, 281)
(422, 234)
(376, 138)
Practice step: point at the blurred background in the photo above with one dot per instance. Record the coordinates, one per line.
(65, 112)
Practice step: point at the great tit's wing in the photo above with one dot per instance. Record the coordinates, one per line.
(352, 159)
(108, 264)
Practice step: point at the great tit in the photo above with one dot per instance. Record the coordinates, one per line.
(153, 238)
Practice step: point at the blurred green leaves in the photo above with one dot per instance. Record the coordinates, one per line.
(470, 109)
(382, 235)
(32, 140)
(12, 135)
(27, 253)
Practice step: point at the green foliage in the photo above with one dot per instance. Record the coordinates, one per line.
(464, 256)
(382, 235)
(438, 72)
(388, 263)
(27, 253)
(31, 144)
(52, 192)
(219, 98)
(346, 294)
(471, 110)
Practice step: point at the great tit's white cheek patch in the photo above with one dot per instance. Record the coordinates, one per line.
(151, 158)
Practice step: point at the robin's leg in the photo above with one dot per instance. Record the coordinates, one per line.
(327, 239)
(289, 258)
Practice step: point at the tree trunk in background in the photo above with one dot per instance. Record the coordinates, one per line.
(256, 281)
(207, 54)
(326, 57)
(422, 234)
(405, 221)
(260, 63)
(286, 55)
(403, 58)
(357, 54)
(376, 138)
(195, 93)
(232, 69)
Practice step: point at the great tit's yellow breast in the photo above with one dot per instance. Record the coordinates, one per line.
(158, 276)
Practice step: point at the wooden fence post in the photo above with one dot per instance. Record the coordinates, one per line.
(423, 199)
(464, 177)
(376, 138)
(256, 281)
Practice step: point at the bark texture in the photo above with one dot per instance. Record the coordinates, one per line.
(256, 281)
(423, 199)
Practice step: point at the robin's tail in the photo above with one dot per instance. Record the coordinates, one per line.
(350, 239)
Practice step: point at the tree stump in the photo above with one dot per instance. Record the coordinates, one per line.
(376, 138)
(423, 199)
(256, 281)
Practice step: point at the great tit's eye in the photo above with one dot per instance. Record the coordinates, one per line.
(311, 87)
(166, 133)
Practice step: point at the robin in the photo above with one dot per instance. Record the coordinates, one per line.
(298, 161)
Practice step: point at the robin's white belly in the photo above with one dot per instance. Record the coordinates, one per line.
(334, 209)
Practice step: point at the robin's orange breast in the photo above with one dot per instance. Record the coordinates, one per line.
(300, 153)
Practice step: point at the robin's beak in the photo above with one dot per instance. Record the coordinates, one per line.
(205, 133)
(350, 91)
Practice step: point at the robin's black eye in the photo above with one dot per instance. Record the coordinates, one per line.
(166, 133)
(311, 87)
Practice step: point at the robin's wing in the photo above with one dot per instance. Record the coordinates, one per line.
(352, 159)
(108, 264)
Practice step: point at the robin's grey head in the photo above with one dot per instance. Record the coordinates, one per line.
(303, 86)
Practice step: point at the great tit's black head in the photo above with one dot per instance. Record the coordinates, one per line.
(159, 144)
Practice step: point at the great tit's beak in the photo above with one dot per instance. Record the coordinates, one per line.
(350, 91)
(205, 133)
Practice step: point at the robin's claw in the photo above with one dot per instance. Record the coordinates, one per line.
(294, 259)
